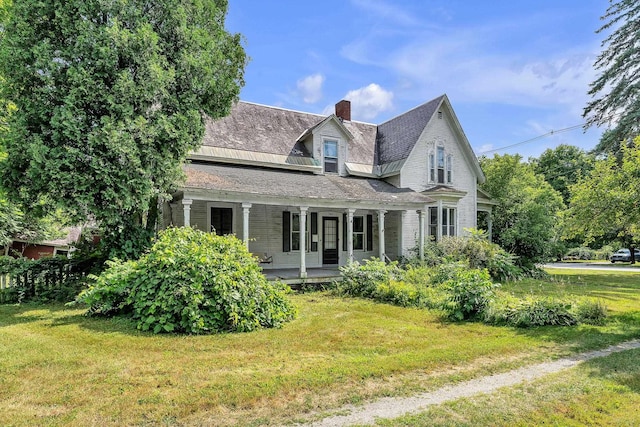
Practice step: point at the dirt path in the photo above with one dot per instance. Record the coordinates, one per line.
(396, 407)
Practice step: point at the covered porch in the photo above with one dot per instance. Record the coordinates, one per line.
(301, 226)
(315, 275)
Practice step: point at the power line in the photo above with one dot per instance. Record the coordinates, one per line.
(550, 133)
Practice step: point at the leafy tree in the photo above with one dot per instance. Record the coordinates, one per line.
(616, 91)
(110, 98)
(562, 167)
(524, 221)
(608, 201)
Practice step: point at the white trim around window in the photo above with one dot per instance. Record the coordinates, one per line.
(330, 157)
(440, 164)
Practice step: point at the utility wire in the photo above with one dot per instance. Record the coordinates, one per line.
(550, 133)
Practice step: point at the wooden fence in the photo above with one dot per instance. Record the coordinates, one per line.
(53, 279)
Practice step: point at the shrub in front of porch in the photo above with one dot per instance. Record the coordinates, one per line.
(191, 282)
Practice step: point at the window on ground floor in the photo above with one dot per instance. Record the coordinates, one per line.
(448, 221)
(362, 232)
(221, 221)
(295, 233)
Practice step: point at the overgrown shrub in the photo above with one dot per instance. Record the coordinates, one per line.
(591, 312)
(475, 250)
(407, 294)
(467, 293)
(191, 282)
(530, 312)
(362, 280)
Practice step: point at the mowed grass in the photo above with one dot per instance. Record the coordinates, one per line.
(58, 367)
(600, 392)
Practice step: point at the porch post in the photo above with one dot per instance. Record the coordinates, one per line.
(303, 241)
(489, 224)
(422, 213)
(381, 248)
(350, 213)
(439, 230)
(186, 206)
(401, 225)
(245, 223)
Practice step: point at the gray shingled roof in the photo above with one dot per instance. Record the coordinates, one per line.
(285, 184)
(264, 129)
(397, 137)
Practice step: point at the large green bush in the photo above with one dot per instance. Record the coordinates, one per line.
(362, 280)
(468, 292)
(475, 250)
(191, 282)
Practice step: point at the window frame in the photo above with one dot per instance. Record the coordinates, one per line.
(333, 160)
(449, 220)
(293, 231)
(440, 165)
(222, 205)
(362, 233)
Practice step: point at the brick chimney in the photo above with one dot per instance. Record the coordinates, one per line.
(343, 110)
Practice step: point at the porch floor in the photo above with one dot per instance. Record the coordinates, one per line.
(291, 276)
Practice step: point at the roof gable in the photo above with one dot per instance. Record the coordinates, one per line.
(397, 137)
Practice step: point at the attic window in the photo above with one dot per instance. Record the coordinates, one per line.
(439, 114)
(331, 156)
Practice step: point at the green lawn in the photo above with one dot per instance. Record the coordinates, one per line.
(58, 367)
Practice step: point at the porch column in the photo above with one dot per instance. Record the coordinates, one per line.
(381, 248)
(186, 206)
(245, 223)
(489, 225)
(422, 215)
(350, 213)
(401, 225)
(303, 241)
(439, 230)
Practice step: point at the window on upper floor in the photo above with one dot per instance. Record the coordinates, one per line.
(440, 166)
(331, 156)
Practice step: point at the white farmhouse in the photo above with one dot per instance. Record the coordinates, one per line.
(306, 191)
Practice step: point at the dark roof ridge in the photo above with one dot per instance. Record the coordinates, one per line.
(414, 108)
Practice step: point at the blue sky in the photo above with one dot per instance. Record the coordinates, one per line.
(513, 69)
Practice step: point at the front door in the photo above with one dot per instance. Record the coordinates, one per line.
(330, 240)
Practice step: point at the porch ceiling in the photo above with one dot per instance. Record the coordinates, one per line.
(254, 185)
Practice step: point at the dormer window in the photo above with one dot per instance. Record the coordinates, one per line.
(331, 156)
(440, 166)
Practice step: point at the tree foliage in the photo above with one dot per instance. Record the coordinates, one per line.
(524, 221)
(562, 167)
(608, 201)
(110, 98)
(616, 91)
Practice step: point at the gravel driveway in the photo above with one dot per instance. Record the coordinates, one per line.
(399, 406)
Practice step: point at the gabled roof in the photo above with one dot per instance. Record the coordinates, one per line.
(271, 130)
(397, 137)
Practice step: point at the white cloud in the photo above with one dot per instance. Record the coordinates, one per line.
(310, 88)
(387, 11)
(369, 101)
